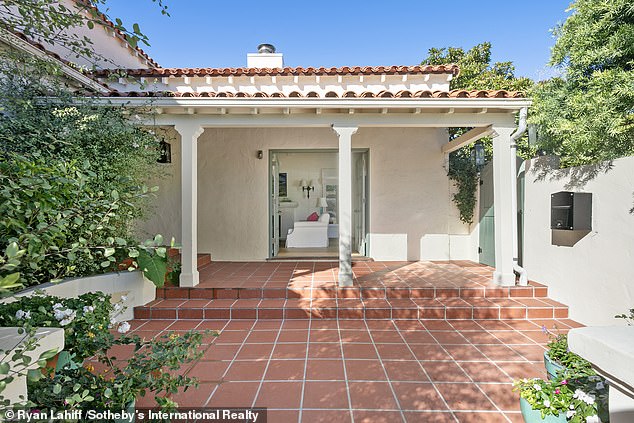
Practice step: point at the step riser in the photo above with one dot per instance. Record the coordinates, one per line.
(373, 314)
(350, 293)
(441, 313)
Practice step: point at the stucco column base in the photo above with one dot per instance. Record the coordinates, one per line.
(344, 219)
(504, 279)
(189, 132)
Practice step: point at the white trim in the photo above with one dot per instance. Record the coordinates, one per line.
(467, 138)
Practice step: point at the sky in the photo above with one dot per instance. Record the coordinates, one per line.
(211, 33)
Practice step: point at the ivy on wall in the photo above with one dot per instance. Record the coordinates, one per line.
(476, 73)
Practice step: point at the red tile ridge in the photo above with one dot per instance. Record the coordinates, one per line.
(330, 94)
(452, 69)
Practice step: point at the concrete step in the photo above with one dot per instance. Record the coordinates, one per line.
(354, 308)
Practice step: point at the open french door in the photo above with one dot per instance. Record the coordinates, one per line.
(275, 206)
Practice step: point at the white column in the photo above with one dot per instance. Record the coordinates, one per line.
(503, 168)
(344, 218)
(189, 133)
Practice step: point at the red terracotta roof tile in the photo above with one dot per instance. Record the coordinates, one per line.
(288, 71)
(330, 94)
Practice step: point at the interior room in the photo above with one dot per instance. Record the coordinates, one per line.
(304, 203)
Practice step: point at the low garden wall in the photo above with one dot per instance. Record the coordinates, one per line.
(132, 286)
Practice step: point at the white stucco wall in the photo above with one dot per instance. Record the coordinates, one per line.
(411, 215)
(595, 276)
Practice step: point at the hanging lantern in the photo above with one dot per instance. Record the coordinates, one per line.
(166, 152)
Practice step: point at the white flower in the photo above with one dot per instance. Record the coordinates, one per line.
(123, 327)
(57, 305)
(124, 298)
(21, 314)
(546, 403)
(88, 309)
(537, 387)
(570, 413)
(135, 145)
(589, 399)
(117, 307)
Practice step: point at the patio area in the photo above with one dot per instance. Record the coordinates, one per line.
(410, 341)
(364, 370)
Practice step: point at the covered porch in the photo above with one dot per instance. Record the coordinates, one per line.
(346, 117)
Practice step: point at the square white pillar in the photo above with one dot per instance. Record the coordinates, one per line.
(345, 203)
(189, 133)
(503, 178)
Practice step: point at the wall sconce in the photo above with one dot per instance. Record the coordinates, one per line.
(477, 156)
(260, 154)
(166, 152)
(307, 186)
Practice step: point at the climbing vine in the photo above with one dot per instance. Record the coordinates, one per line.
(476, 73)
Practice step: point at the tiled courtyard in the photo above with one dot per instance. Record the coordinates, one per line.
(409, 342)
(336, 370)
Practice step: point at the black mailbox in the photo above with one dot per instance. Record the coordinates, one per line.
(571, 211)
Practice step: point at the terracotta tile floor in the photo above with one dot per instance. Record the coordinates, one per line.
(364, 370)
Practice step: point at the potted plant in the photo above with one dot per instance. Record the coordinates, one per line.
(567, 398)
(558, 357)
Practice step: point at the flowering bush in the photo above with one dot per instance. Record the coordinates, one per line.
(86, 319)
(574, 395)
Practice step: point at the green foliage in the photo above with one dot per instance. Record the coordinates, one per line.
(559, 352)
(51, 22)
(71, 180)
(152, 367)
(629, 319)
(86, 319)
(586, 115)
(476, 73)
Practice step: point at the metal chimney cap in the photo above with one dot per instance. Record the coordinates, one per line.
(266, 48)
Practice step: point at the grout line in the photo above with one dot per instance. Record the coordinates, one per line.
(230, 364)
(345, 372)
(432, 382)
(301, 399)
(387, 377)
(266, 367)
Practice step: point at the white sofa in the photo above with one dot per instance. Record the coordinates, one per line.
(309, 234)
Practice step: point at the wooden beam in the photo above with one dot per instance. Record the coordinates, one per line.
(467, 138)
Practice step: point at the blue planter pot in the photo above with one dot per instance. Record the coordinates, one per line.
(534, 416)
(552, 368)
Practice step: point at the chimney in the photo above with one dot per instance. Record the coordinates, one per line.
(266, 57)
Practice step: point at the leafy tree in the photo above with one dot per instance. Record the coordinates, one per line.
(476, 73)
(72, 177)
(587, 115)
(52, 22)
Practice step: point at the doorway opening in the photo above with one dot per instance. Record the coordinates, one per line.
(304, 212)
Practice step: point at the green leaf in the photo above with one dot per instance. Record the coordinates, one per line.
(108, 252)
(12, 250)
(4, 368)
(105, 263)
(57, 388)
(153, 267)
